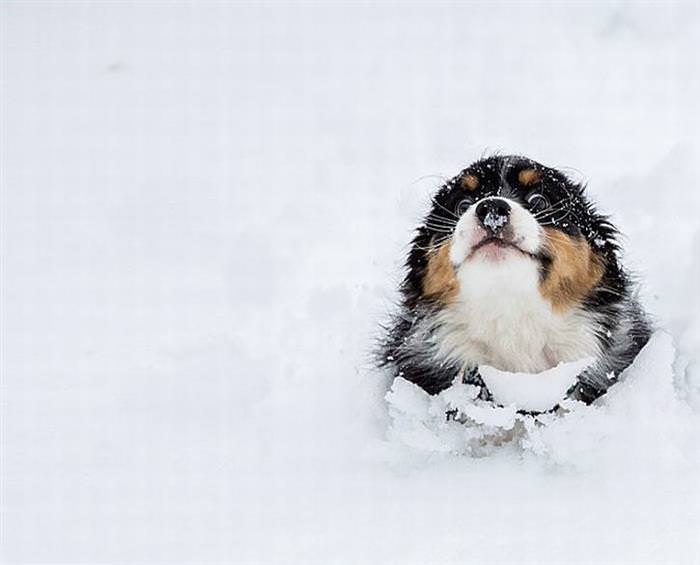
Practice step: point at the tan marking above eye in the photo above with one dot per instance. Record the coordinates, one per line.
(527, 177)
(470, 182)
(440, 280)
(574, 272)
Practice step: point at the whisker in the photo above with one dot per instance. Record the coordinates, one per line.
(451, 213)
(554, 208)
(441, 218)
(441, 178)
(440, 224)
(437, 222)
(434, 244)
(440, 230)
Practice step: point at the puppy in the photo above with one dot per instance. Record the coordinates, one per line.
(515, 268)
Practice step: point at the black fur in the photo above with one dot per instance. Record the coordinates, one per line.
(624, 328)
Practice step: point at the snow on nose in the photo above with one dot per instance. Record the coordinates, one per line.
(493, 213)
(494, 222)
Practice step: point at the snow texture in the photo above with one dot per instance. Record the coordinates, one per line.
(480, 428)
(204, 212)
(536, 392)
(495, 221)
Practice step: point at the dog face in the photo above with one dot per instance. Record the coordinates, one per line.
(507, 224)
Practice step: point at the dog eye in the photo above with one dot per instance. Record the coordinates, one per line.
(537, 202)
(463, 205)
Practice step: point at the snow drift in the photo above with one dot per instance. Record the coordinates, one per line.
(643, 409)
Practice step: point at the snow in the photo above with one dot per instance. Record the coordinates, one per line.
(577, 437)
(533, 391)
(494, 221)
(204, 212)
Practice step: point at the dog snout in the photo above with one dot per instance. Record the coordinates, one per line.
(493, 213)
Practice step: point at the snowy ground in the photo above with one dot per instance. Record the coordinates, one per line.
(204, 208)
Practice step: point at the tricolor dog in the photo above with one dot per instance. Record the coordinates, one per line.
(514, 268)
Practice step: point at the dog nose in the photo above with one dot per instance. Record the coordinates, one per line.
(493, 214)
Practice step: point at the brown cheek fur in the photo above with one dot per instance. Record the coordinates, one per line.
(440, 280)
(574, 272)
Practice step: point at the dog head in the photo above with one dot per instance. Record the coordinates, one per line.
(508, 222)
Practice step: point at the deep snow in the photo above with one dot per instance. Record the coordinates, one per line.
(204, 211)
(536, 392)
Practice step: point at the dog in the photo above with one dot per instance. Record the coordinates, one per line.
(514, 267)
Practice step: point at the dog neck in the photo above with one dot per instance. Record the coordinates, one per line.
(500, 318)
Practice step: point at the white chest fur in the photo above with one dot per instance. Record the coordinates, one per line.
(501, 319)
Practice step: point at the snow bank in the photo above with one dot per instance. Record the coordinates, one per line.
(642, 414)
(535, 392)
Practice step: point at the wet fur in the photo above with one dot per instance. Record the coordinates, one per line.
(581, 301)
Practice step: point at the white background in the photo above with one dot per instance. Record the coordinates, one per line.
(204, 212)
